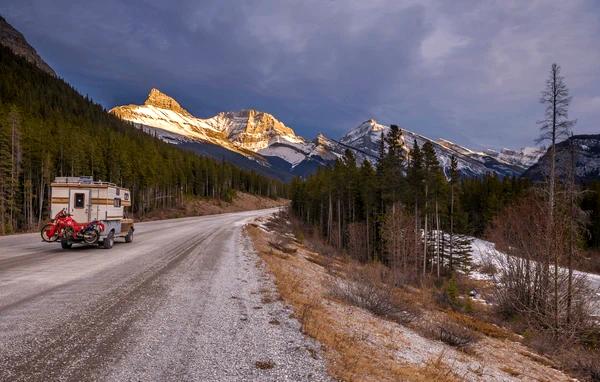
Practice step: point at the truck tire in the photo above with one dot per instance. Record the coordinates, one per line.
(66, 244)
(129, 236)
(109, 240)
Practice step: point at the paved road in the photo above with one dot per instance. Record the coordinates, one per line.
(183, 302)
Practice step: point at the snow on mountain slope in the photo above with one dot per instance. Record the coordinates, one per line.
(525, 157)
(585, 149)
(367, 137)
(246, 131)
(261, 137)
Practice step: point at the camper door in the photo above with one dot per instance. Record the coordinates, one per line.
(80, 204)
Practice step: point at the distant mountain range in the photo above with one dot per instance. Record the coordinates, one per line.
(258, 140)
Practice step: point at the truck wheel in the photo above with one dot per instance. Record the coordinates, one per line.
(109, 240)
(129, 236)
(66, 244)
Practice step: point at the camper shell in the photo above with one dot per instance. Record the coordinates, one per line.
(88, 200)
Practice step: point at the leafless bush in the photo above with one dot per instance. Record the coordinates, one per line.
(452, 334)
(370, 288)
(402, 245)
(279, 221)
(529, 283)
(487, 266)
(284, 245)
(581, 362)
(364, 288)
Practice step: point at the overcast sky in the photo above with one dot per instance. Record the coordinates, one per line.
(468, 71)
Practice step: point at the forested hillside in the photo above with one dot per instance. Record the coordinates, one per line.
(47, 129)
(360, 208)
(355, 207)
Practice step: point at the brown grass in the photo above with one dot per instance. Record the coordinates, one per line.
(480, 326)
(360, 346)
(510, 371)
(349, 357)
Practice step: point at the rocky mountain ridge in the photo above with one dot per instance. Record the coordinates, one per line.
(261, 137)
(246, 130)
(367, 137)
(585, 149)
(16, 42)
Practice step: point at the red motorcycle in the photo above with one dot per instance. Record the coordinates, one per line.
(64, 227)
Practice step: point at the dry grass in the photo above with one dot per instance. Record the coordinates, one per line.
(510, 371)
(480, 326)
(360, 346)
(350, 357)
(452, 334)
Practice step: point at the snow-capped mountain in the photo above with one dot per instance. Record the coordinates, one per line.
(256, 135)
(525, 157)
(367, 137)
(245, 130)
(586, 155)
(260, 138)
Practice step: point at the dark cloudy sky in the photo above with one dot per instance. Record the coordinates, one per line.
(468, 71)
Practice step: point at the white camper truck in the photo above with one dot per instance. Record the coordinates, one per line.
(86, 200)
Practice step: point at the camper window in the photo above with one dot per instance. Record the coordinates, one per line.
(79, 200)
(117, 202)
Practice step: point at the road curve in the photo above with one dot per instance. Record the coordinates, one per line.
(183, 302)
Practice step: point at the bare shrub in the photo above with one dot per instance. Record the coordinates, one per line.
(529, 283)
(369, 287)
(580, 362)
(279, 221)
(402, 245)
(487, 266)
(284, 244)
(362, 289)
(452, 334)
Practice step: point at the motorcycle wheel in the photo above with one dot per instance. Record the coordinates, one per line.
(44, 233)
(65, 244)
(68, 233)
(91, 237)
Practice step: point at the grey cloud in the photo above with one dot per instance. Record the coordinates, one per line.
(468, 71)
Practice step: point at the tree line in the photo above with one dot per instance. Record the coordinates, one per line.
(47, 129)
(396, 211)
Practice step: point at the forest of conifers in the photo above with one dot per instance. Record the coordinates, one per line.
(47, 129)
(359, 207)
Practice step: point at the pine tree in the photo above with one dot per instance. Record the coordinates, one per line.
(463, 253)
(554, 126)
(453, 182)
(5, 176)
